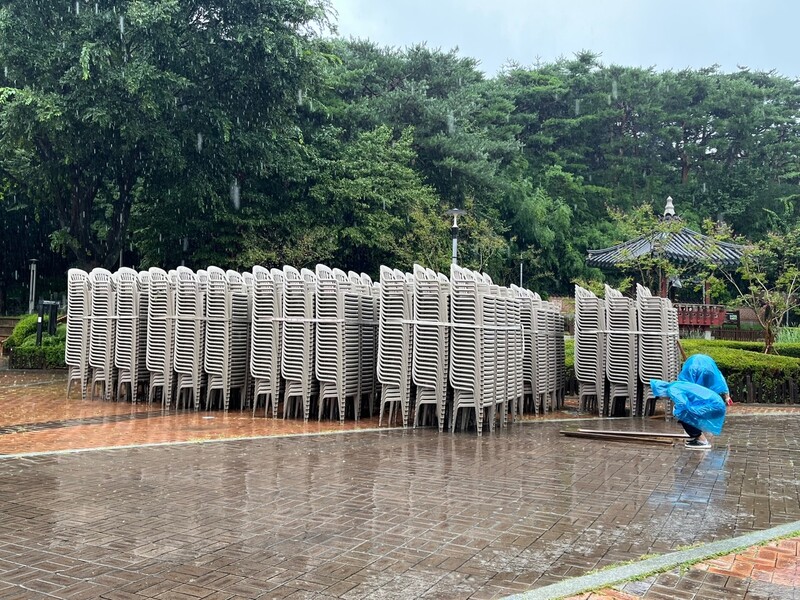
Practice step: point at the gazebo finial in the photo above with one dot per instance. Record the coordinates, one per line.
(669, 209)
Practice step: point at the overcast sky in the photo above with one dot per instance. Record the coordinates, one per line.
(762, 34)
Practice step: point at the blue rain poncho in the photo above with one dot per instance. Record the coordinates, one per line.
(702, 370)
(696, 395)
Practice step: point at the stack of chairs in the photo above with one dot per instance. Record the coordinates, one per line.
(367, 337)
(79, 310)
(131, 307)
(658, 351)
(160, 335)
(102, 332)
(297, 344)
(621, 350)
(227, 336)
(337, 354)
(470, 374)
(428, 346)
(265, 339)
(189, 346)
(590, 348)
(431, 348)
(395, 342)
(528, 301)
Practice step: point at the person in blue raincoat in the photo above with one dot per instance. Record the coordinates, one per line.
(700, 397)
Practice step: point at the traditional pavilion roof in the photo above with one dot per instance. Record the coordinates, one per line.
(683, 246)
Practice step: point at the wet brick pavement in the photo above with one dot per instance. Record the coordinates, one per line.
(769, 572)
(380, 514)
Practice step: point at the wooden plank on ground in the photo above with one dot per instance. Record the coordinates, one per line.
(618, 438)
(637, 433)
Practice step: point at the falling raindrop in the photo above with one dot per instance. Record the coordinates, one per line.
(704, 187)
(96, 8)
(121, 25)
(300, 97)
(577, 107)
(199, 142)
(451, 123)
(185, 244)
(77, 7)
(160, 238)
(614, 90)
(5, 72)
(235, 192)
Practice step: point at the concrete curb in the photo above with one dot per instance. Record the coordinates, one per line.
(658, 564)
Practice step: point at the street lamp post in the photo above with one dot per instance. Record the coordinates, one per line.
(455, 212)
(32, 287)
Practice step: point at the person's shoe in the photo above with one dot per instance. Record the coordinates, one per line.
(696, 444)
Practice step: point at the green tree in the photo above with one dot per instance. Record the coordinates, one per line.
(768, 280)
(145, 102)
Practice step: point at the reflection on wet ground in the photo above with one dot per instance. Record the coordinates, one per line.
(35, 409)
(387, 514)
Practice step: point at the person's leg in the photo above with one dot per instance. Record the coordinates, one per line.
(696, 438)
(691, 431)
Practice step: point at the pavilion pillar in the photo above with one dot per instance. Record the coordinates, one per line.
(663, 286)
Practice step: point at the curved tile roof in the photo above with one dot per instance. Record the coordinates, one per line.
(685, 246)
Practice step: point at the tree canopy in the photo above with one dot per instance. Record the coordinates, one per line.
(235, 132)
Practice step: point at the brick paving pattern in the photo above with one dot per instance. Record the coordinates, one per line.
(382, 515)
(764, 572)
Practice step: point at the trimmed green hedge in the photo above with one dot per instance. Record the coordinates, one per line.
(25, 354)
(24, 328)
(37, 357)
(752, 376)
(784, 349)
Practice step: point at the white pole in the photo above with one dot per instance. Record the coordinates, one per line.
(32, 288)
(454, 231)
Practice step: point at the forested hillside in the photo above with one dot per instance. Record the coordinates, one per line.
(163, 132)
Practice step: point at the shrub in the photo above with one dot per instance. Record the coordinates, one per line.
(790, 335)
(569, 354)
(24, 328)
(25, 354)
(752, 375)
(37, 357)
(783, 349)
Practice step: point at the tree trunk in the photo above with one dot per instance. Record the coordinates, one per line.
(769, 339)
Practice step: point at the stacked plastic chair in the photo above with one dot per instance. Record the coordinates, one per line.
(297, 350)
(430, 361)
(227, 331)
(513, 359)
(79, 310)
(368, 336)
(561, 370)
(127, 344)
(468, 377)
(265, 339)
(658, 353)
(189, 348)
(141, 354)
(543, 352)
(621, 349)
(395, 341)
(336, 352)
(590, 348)
(101, 333)
(499, 332)
(160, 334)
(527, 302)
